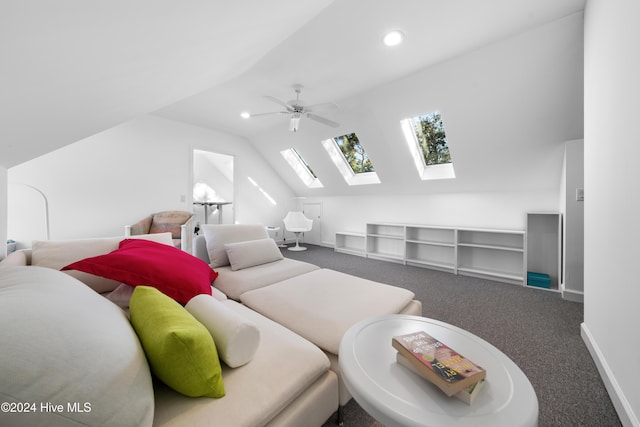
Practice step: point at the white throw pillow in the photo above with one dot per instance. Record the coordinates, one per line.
(236, 338)
(57, 254)
(217, 235)
(252, 252)
(66, 345)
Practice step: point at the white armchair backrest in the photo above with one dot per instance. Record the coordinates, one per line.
(296, 221)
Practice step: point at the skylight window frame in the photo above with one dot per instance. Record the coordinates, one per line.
(426, 172)
(340, 161)
(301, 168)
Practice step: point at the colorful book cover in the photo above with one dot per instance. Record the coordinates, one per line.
(467, 395)
(448, 369)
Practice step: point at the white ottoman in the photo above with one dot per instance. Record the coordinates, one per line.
(323, 304)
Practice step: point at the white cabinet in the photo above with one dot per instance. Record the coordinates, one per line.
(491, 254)
(544, 250)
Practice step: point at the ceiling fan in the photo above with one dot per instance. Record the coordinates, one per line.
(296, 109)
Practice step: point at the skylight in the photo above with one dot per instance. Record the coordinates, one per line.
(351, 159)
(301, 168)
(428, 145)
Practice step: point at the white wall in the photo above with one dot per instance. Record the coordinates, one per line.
(3, 211)
(101, 183)
(612, 208)
(573, 227)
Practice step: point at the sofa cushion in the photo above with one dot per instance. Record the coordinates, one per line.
(57, 254)
(65, 344)
(329, 298)
(236, 338)
(284, 366)
(252, 252)
(180, 350)
(235, 283)
(140, 262)
(217, 235)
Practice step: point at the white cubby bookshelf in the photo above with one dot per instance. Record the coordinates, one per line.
(544, 245)
(493, 254)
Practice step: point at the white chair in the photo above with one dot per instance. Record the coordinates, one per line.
(297, 223)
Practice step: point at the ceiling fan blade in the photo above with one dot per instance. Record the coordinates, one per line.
(323, 106)
(269, 114)
(322, 120)
(278, 101)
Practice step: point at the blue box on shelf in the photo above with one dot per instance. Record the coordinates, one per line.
(539, 280)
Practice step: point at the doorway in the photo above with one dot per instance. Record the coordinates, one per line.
(313, 210)
(213, 188)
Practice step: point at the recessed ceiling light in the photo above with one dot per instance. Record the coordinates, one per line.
(245, 115)
(393, 38)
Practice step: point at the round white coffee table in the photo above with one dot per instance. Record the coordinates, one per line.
(395, 396)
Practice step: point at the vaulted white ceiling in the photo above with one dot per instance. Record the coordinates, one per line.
(73, 68)
(340, 53)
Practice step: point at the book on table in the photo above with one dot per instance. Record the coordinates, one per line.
(467, 395)
(444, 367)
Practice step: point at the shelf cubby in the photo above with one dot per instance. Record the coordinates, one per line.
(351, 243)
(440, 256)
(544, 248)
(386, 242)
(492, 239)
(389, 231)
(431, 235)
(492, 262)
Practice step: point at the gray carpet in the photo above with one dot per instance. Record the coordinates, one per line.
(537, 329)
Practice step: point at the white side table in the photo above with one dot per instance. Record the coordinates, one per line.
(396, 396)
(272, 231)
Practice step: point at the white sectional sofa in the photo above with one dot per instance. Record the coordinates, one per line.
(289, 379)
(318, 304)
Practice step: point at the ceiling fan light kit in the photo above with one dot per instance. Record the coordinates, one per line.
(296, 109)
(295, 122)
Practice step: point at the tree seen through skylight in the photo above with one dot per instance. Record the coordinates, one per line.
(354, 153)
(431, 138)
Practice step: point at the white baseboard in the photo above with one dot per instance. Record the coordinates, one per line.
(620, 402)
(575, 296)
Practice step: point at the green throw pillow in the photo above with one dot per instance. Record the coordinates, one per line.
(180, 350)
